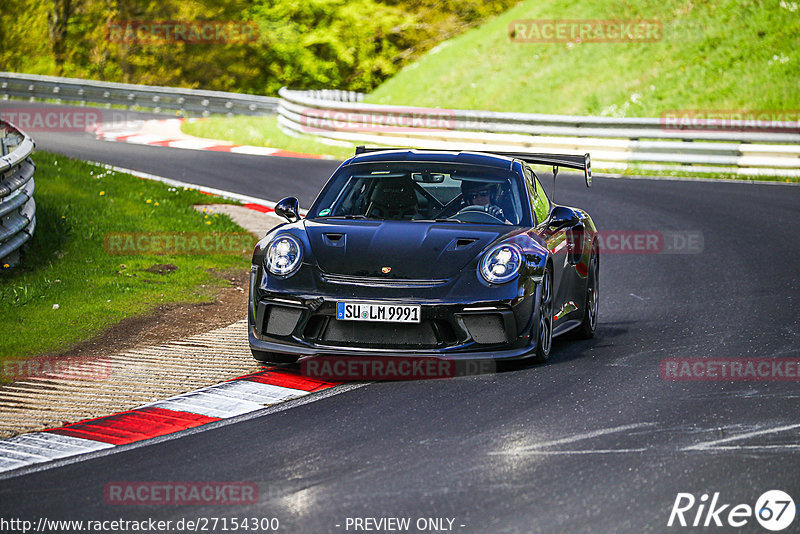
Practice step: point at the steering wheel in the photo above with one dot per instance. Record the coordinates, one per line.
(479, 212)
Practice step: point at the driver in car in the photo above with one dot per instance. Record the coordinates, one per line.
(482, 194)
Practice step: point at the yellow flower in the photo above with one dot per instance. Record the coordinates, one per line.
(204, 210)
(156, 204)
(149, 201)
(102, 193)
(208, 222)
(6, 266)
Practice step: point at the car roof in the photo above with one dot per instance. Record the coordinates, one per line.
(444, 156)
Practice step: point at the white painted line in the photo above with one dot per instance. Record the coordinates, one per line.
(787, 446)
(114, 135)
(144, 139)
(568, 453)
(537, 448)
(592, 434)
(254, 150)
(192, 144)
(711, 444)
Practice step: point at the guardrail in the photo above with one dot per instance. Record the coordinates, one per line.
(187, 102)
(615, 143)
(17, 207)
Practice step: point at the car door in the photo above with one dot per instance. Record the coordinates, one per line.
(556, 240)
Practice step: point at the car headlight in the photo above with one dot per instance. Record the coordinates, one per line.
(284, 254)
(501, 263)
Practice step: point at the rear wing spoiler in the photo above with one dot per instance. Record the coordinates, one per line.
(583, 163)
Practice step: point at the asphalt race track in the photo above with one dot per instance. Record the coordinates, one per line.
(594, 441)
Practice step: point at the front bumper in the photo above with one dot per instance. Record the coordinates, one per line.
(463, 318)
(306, 325)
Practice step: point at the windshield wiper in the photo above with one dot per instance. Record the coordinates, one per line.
(441, 220)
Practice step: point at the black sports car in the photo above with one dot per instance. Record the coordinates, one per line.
(431, 253)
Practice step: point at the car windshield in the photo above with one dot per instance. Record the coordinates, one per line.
(422, 191)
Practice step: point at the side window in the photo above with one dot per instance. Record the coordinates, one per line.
(529, 185)
(540, 205)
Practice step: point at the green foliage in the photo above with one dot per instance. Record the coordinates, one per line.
(335, 44)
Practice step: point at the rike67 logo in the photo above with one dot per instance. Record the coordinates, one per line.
(774, 510)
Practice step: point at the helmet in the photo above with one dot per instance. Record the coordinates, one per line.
(469, 188)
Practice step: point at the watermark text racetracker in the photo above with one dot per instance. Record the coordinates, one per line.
(159, 32)
(733, 120)
(387, 119)
(32, 119)
(647, 241)
(180, 493)
(178, 243)
(57, 368)
(726, 369)
(347, 368)
(585, 31)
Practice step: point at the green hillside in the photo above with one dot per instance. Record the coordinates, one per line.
(723, 55)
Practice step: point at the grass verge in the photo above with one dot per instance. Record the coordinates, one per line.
(724, 55)
(74, 282)
(262, 131)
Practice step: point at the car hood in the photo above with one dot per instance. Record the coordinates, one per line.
(418, 250)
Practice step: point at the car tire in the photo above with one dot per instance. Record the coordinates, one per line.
(272, 357)
(589, 323)
(544, 325)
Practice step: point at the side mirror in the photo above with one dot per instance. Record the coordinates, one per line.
(561, 217)
(289, 209)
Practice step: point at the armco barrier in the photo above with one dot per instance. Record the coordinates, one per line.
(615, 143)
(188, 102)
(17, 207)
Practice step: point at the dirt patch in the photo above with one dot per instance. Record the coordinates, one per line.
(162, 268)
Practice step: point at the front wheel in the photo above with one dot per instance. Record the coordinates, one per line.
(589, 323)
(544, 329)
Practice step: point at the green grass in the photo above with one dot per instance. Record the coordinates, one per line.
(77, 206)
(635, 171)
(262, 131)
(722, 55)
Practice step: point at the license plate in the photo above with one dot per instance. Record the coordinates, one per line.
(386, 313)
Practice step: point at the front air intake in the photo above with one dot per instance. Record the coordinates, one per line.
(485, 328)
